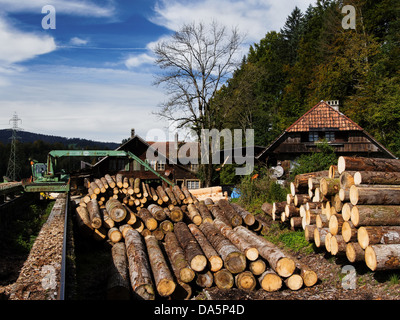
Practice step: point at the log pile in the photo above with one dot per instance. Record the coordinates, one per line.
(165, 248)
(354, 210)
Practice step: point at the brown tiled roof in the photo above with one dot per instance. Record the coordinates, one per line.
(322, 116)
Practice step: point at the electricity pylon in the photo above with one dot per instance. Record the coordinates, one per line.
(13, 168)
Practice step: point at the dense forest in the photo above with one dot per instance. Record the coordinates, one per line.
(313, 58)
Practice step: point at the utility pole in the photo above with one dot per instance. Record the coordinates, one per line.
(13, 168)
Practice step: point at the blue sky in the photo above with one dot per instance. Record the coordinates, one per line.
(91, 77)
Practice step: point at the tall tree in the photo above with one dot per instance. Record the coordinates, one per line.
(196, 61)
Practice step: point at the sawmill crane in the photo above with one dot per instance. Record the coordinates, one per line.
(44, 178)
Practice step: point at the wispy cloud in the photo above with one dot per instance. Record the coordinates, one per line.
(75, 7)
(76, 41)
(134, 61)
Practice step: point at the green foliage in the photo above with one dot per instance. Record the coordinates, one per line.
(316, 161)
(259, 188)
(312, 58)
(296, 241)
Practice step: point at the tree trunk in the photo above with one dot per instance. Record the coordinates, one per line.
(246, 248)
(301, 180)
(376, 177)
(178, 192)
(148, 219)
(270, 281)
(187, 194)
(300, 199)
(110, 181)
(83, 221)
(162, 275)
(320, 236)
(338, 245)
(171, 196)
(267, 208)
(291, 211)
(130, 216)
(335, 224)
(374, 195)
(278, 261)
(212, 255)
(344, 195)
(194, 215)
(219, 214)
(118, 279)
(157, 212)
(233, 217)
(245, 281)
(175, 214)
(176, 256)
(368, 164)
(247, 217)
(224, 279)
(294, 282)
(193, 253)
(329, 187)
(124, 229)
(375, 215)
(162, 194)
(234, 260)
(136, 186)
(383, 257)
(354, 252)
(94, 214)
(116, 210)
(139, 268)
(378, 235)
(204, 212)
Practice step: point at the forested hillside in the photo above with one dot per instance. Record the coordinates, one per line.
(313, 58)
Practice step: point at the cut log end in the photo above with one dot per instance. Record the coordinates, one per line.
(362, 237)
(370, 258)
(198, 263)
(294, 282)
(270, 281)
(341, 165)
(252, 254)
(309, 277)
(216, 263)
(285, 267)
(166, 287)
(235, 262)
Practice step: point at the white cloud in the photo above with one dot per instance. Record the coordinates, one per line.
(18, 46)
(134, 61)
(76, 7)
(253, 17)
(75, 41)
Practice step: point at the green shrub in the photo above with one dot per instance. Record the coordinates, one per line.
(259, 187)
(316, 161)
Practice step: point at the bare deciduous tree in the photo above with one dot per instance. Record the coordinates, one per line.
(195, 62)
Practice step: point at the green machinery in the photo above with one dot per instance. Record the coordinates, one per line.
(44, 178)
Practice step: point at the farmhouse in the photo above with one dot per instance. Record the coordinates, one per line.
(323, 121)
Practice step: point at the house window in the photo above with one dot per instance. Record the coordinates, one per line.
(330, 136)
(136, 166)
(119, 165)
(193, 184)
(313, 136)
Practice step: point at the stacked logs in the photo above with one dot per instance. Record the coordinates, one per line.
(353, 211)
(164, 250)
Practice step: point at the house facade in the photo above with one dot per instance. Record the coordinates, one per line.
(323, 121)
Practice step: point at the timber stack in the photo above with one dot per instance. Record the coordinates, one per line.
(169, 242)
(354, 210)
